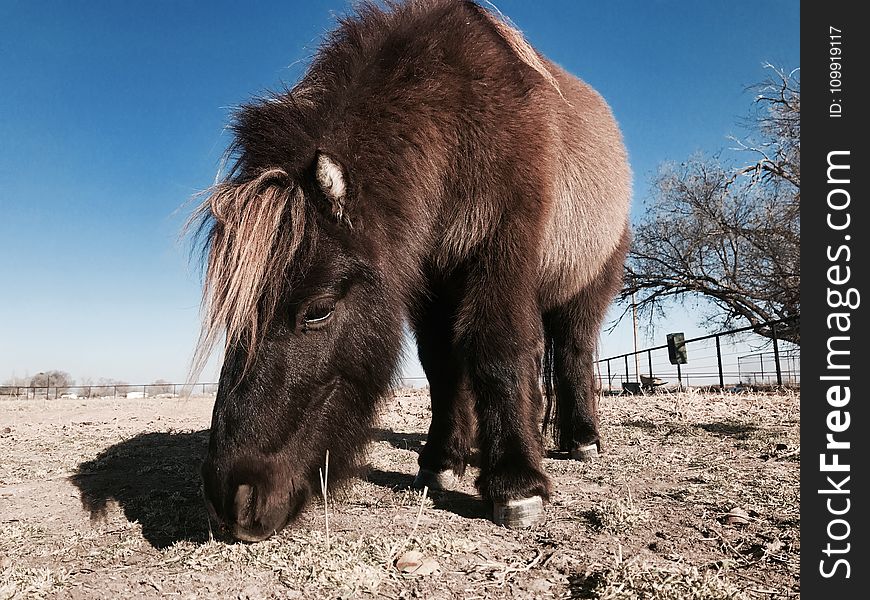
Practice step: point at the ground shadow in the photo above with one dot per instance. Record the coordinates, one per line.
(557, 454)
(459, 503)
(585, 585)
(154, 478)
(402, 441)
(640, 424)
(414, 442)
(735, 429)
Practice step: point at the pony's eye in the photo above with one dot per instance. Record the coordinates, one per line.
(318, 313)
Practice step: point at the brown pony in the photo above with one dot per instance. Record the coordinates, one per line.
(430, 168)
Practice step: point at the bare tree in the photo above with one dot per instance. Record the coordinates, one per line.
(104, 386)
(729, 233)
(52, 379)
(85, 388)
(12, 385)
(160, 386)
(119, 387)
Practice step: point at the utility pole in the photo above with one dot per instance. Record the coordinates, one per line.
(634, 322)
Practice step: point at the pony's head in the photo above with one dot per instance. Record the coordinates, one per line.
(311, 337)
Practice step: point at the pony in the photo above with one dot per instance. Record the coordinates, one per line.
(430, 169)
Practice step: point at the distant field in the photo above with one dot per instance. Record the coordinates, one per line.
(100, 499)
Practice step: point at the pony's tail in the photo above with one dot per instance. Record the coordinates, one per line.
(550, 425)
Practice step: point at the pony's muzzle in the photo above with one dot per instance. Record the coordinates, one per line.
(247, 512)
(255, 518)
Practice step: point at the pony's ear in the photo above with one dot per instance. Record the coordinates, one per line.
(332, 182)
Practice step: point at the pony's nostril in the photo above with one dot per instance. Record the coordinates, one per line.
(243, 505)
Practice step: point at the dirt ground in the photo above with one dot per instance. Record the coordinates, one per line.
(100, 499)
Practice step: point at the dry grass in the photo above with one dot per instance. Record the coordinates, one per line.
(616, 516)
(628, 581)
(29, 582)
(101, 499)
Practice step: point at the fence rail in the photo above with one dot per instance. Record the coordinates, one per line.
(714, 360)
(120, 390)
(124, 390)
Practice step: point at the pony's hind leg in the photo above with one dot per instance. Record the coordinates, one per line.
(575, 407)
(572, 331)
(451, 435)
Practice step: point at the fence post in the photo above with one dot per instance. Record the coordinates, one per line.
(598, 369)
(609, 389)
(626, 369)
(719, 359)
(761, 365)
(776, 356)
(649, 358)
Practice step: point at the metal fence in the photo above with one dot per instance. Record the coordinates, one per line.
(125, 390)
(715, 360)
(760, 368)
(139, 390)
(739, 357)
(120, 390)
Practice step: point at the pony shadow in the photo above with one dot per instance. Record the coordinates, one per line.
(640, 424)
(402, 441)
(730, 428)
(557, 454)
(459, 503)
(154, 479)
(415, 443)
(586, 586)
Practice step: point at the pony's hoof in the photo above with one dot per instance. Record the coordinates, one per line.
(443, 480)
(585, 453)
(518, 514)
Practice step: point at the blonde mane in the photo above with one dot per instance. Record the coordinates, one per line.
(252, 232)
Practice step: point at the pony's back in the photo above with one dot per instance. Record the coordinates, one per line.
(588, 218)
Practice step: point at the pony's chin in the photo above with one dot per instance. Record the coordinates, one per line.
(257, 534)
(251, 537)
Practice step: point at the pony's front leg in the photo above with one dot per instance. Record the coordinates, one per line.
(452, 430)
(500, 325)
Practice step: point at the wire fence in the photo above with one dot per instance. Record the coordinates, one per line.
(120, 390)
(739, 357)
(125, 390)
(760, 368)
(736, 358)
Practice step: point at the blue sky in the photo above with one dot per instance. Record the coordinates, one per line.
(112, 116)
